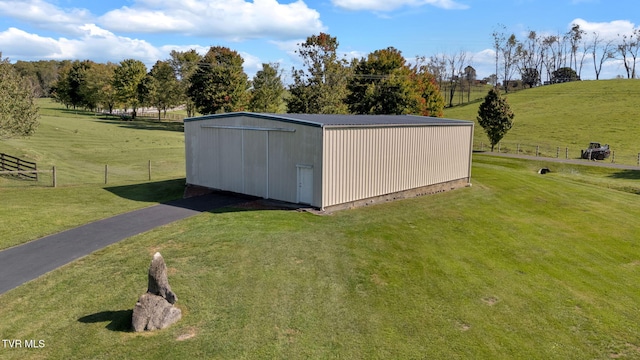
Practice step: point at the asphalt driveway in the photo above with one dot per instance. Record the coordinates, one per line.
(28, 261)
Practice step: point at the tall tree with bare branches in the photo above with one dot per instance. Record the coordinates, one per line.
(601, 51)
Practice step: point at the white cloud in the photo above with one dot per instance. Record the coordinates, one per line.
(389, 5)
(605, 30)
(42, 14)
(24, 45)
(251, 63)
(231, 19)
(95, 43)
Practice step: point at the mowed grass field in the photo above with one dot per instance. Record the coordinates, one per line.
(80, 144)
(570, 116)
(518, 266)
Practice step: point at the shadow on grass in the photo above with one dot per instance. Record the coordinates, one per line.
(72, 111)
(145, 124)
(626, 174)
(171, 192)
(119, 320)
(157, 191)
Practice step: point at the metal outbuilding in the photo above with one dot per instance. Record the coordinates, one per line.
(328, 161)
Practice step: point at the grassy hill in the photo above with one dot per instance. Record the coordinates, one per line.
(518, 266)
(570, 115)
(80, 144)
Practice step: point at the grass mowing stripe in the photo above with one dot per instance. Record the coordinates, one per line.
(514, 267)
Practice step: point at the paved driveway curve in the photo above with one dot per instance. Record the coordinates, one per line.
(28, 261)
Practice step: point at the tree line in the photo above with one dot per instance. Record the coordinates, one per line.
(384, 82)
(560, 57)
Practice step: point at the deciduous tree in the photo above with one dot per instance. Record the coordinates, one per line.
(628, 48)
(43, 74)
(530, 59)
(575, 36)
(18, 111)
(601, 51)
(160, 88)
(430, 101)
(184, 64)
(564, 74)
(495, 116)
(126, 81)
(455, 64)
(219, 84)
(381, 84)
(321, 87)
(100, 86)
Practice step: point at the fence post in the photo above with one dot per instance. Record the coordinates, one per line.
(499, 146)
(566, 153)
(638, 158)
(518, 149)
(613, 156)
(55, 181)
(35, 167)
(557, 152)
(106, 173)
(537, 150)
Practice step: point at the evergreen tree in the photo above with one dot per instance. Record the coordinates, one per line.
(495, 116)
(267, 90)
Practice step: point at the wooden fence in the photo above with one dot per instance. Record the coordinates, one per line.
(148, 114)
(15, 166)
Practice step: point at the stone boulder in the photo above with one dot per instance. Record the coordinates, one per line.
(153, 312)
(158, 280)
(154, 309)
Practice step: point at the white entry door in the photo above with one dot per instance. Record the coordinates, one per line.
(305, 184)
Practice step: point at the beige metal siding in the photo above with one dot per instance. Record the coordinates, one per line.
(360, 163)
(248, 158)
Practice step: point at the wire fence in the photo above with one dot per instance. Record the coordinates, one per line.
(107, 174)
(618, 156)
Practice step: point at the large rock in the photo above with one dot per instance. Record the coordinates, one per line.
(153, 312)
(154, 309)
(158, 280)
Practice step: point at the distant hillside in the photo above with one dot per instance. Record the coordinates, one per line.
(571, 115)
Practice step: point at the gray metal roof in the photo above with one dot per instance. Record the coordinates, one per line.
(333, 120)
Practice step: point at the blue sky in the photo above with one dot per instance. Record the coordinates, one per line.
(268, 30)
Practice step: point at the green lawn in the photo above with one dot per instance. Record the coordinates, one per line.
(569, 115)
(80, 144)
(518, 266)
